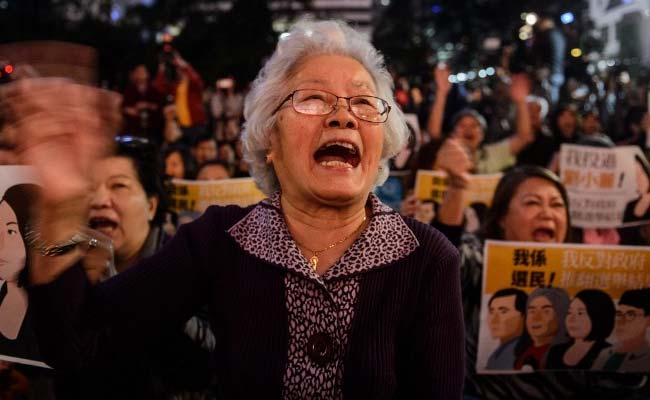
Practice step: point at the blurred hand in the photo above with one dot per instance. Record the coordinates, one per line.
(519, 88)
(61, 129)
(441, 74)
(454, 158)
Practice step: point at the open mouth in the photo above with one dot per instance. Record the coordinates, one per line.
(102, 224)
(338, 154)
(544, 235)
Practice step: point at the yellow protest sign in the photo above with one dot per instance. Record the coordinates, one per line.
(539, 299)
(431, 186)
(188, 195)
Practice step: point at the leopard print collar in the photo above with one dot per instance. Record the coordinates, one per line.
(386, 239)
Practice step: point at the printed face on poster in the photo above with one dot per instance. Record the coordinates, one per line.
(564, 306)
(19, 190)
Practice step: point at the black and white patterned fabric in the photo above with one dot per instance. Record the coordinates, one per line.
(321, 308)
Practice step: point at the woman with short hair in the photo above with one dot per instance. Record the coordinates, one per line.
(319, 291)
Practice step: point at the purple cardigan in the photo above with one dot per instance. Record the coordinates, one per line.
(405, 341)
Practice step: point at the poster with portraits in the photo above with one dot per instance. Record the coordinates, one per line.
(607, 187)
(563, 307)
(18, 193)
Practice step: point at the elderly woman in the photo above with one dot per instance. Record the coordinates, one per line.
(320, 291)
(529, 205)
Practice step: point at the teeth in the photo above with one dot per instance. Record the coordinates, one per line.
(347, 145)
(335, 164)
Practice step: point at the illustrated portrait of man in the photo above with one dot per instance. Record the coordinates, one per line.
(631, 353)
(546, 310)
(506, 310)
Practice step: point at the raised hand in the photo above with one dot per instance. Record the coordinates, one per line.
(519, 88)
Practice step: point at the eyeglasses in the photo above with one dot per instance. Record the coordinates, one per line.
(321, 102)
(628, 315)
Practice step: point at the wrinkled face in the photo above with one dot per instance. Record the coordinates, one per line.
(212, 172)
(566, 122)
(119, 206)
(327, 159)
(504, 320)
(174, 166)
(536, 213)
(578, 322)
(541, 320)
(12, 247)
(469, 131)
(205, 151)
(631, 323)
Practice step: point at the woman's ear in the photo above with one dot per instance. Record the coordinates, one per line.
(153, 205)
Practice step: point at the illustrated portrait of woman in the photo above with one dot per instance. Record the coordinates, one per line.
(589, 321)
(639, 208)
(15, 332)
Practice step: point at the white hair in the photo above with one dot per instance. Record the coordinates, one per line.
(309, 38)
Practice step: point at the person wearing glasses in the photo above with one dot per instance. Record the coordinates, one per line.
(319, 291)
(631, 352)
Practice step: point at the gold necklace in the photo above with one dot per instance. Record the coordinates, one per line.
(313, 260)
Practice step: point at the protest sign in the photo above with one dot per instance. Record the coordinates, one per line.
(18, 191)
(607, 187)
(539, 299)
(431, 186)
(189, 195)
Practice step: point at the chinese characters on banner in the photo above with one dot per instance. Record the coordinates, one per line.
(431, 185)
(607, 187)
(189, 195)
(18, 193)
(564, 306)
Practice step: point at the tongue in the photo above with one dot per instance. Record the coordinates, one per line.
(104, 227)
(542, 235)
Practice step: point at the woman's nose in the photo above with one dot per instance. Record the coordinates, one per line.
(100, 198)
(341, 116)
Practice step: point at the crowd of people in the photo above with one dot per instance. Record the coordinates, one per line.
(321, 290)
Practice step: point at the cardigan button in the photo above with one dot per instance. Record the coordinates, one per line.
(320, 348)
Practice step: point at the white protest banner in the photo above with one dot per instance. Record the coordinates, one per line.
(189, 195)
(18, 193)
(541, 299)
(604, 185)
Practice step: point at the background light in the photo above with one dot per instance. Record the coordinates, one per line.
(567, 18)
(531, 18)
(576, 52)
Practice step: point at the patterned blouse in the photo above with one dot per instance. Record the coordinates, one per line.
(321, 308)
